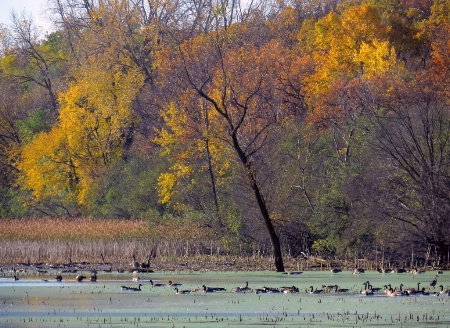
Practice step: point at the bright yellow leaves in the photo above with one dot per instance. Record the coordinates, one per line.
(187, 140)
(349, 45)
(346, 46)
(94, 120)
(47, 166)
(376, 58)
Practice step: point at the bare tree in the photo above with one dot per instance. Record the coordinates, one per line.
(37, 66)
(414, 140)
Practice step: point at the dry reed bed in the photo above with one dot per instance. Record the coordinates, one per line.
(171, 246)
(58, 240)
(86, 229)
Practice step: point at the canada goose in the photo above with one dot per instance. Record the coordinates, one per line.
(398, 292)
(317, 291)
(134, 263)
(395, 292)
(58, 277)
(213, 289)
(328, 288)
(417, 271)
(207, 289)
(93, 278)
(145, 265)
(80, 278)
(138, 289)
(413, 291)
(242, 289)
(424, 293)
(366, 290)
(374, 289)
(341, 290)
(290, 290)
(433, 282)
(259, 291)
(444, 291)
(156, 285)
(392, 293)
(179, 292)
(358, 271)
(272, 290)
(335, 270)
(400, 270)
(172, 284)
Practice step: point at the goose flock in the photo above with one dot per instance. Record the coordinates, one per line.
(430, 288)
(367, 290)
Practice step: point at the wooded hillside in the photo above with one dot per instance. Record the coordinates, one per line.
(312, 126)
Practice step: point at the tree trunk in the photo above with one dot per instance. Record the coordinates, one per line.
(270, 228)
(276, 247)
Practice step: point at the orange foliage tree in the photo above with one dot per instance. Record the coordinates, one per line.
(248, 88)
(346, 46)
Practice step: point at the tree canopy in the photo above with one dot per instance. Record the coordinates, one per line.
(310, 126)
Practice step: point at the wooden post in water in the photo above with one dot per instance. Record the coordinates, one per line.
(376, 255)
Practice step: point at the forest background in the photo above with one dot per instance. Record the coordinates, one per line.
(286, 128)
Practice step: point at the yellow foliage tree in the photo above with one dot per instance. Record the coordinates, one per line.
(94, 122)
(376, 58)
(347, 46)
(191, 144)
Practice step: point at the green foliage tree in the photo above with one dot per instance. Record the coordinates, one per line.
(127, 189)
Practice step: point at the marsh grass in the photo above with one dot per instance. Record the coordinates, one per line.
(171, 245)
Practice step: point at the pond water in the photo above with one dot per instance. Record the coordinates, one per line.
(33, 302)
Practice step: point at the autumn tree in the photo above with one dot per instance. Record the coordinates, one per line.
(94, 123)
(438, 30)
(112, 45)
(239, 80)
(189, 140)
(346, 46)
